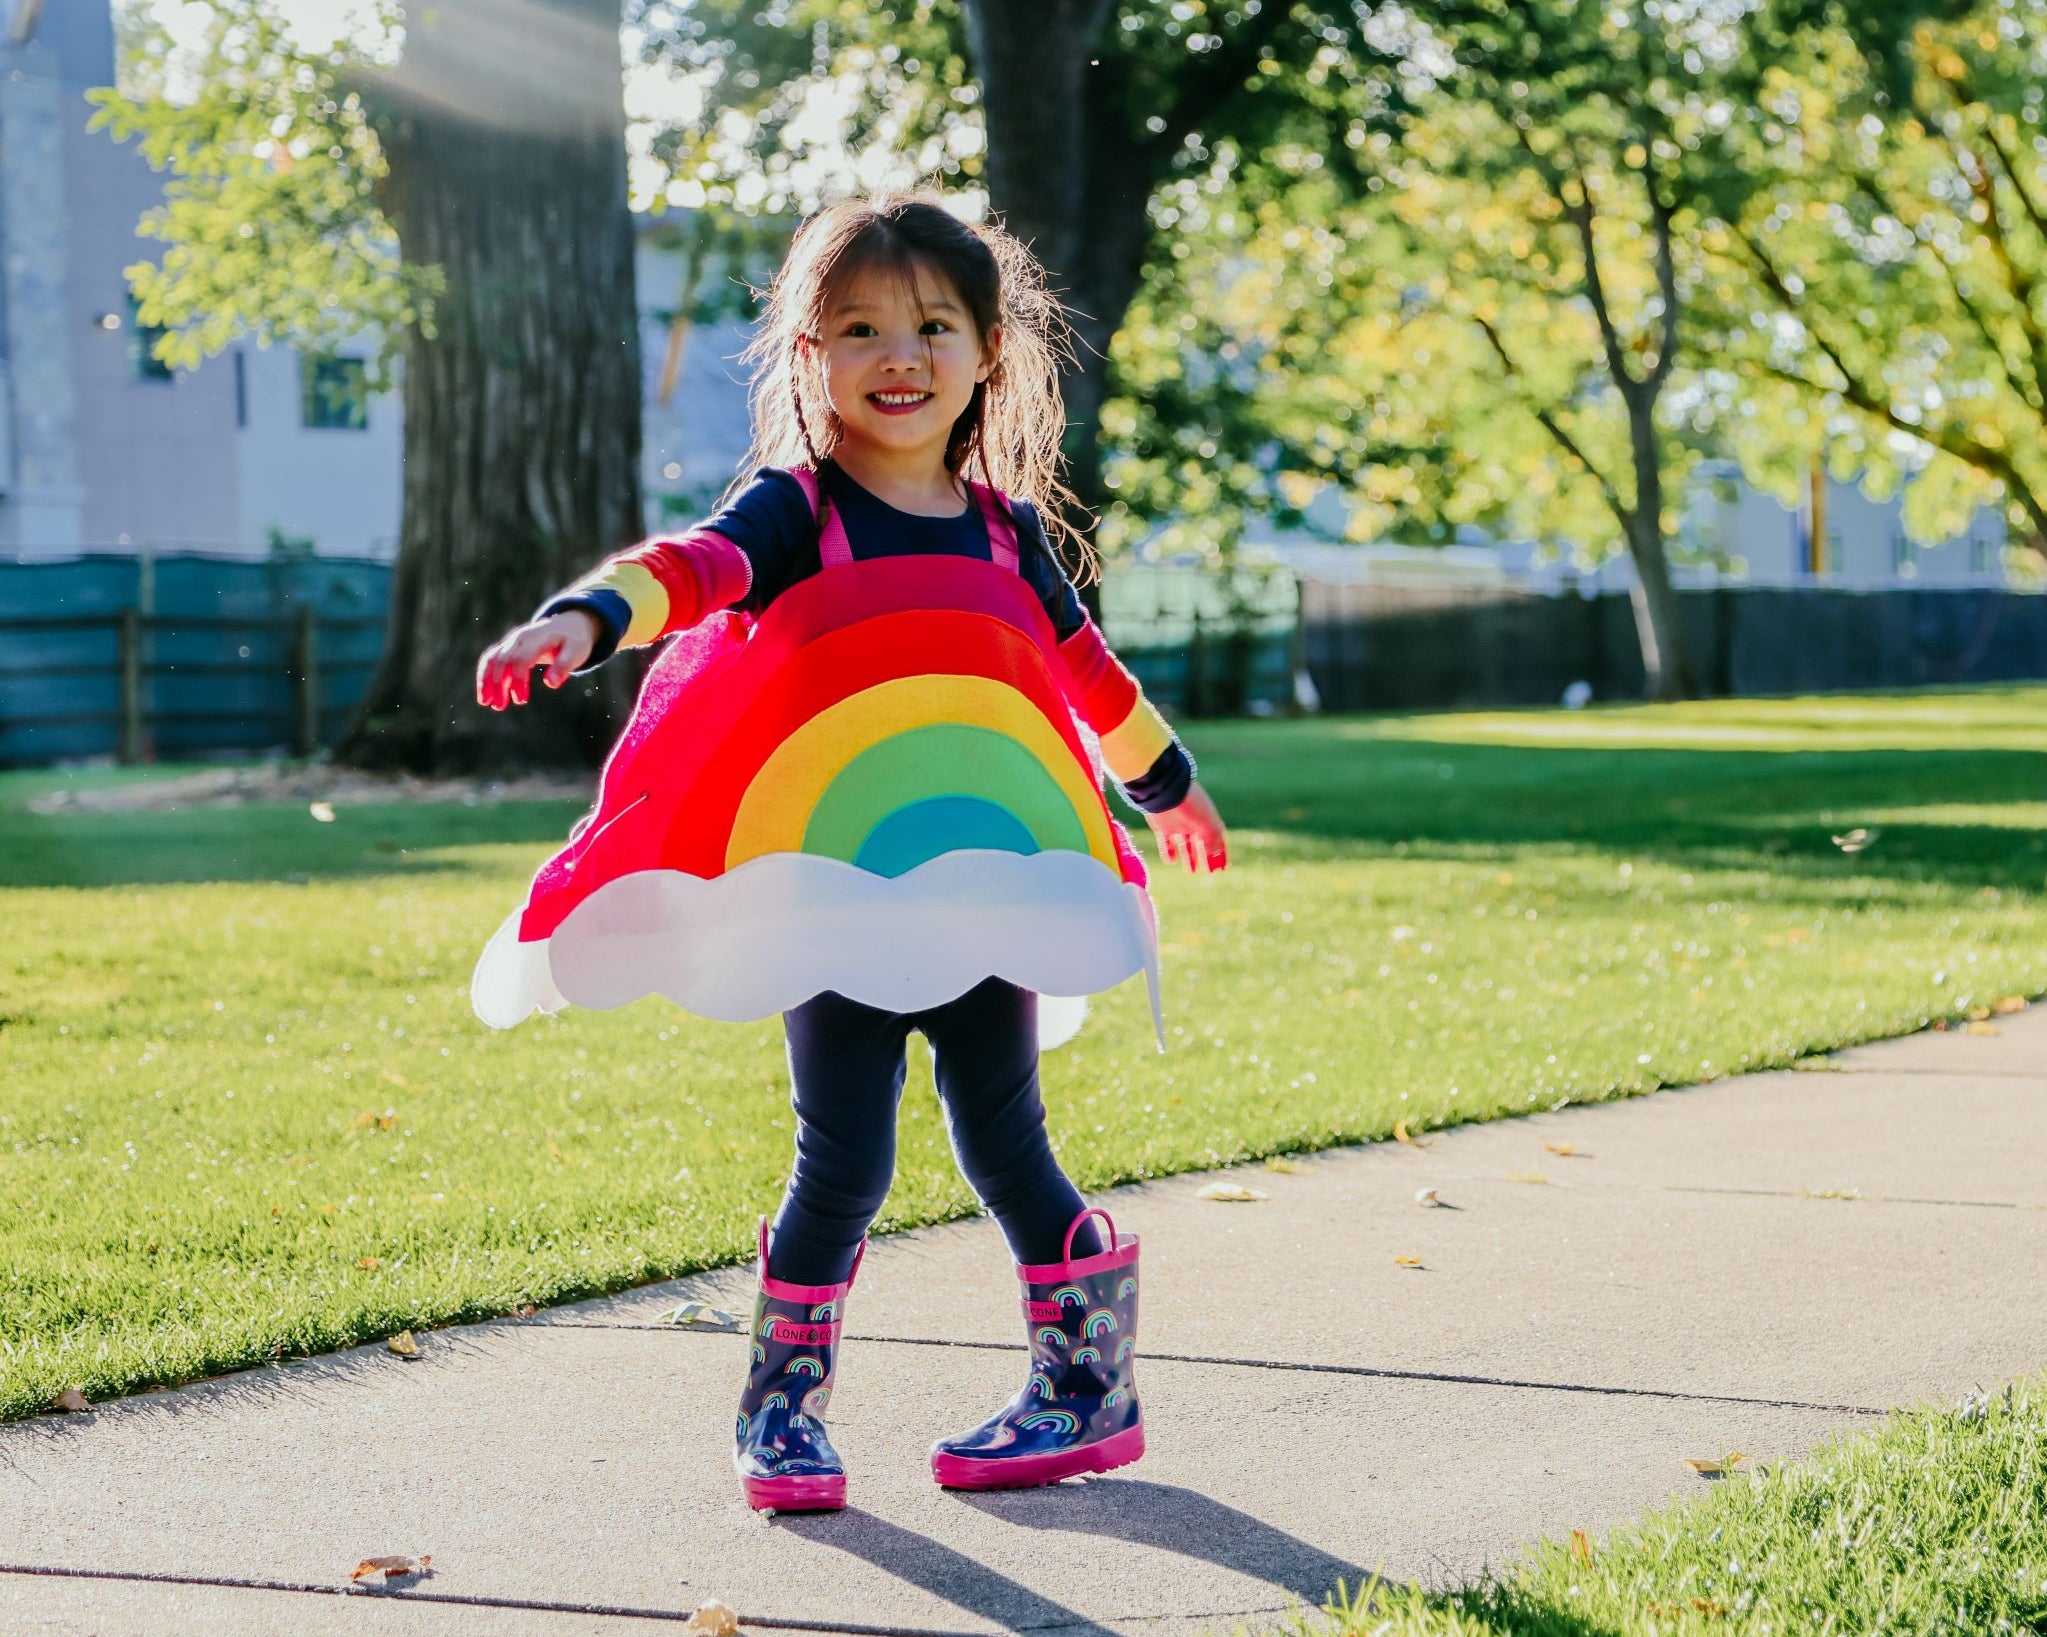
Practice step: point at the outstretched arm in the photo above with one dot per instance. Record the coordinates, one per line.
(562, 642)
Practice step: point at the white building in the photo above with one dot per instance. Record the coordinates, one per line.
(1731, 534)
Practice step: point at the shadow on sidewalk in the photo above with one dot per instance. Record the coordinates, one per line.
(1165, 1516)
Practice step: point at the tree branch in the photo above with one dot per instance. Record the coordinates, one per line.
(1666, 284)
(2017, 280)
(1581, 216)
(1623, 512)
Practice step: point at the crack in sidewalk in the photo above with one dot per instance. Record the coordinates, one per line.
(1378, 1372)
(833, 1628)
(480, 1600)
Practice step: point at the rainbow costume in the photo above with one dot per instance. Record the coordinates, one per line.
(876, 808)
(879, 788)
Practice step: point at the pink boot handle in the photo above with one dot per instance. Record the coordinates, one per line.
(1066, 1250)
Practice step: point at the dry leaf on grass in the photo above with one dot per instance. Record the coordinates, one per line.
(395, 1567)
(403, 1345)
(1402, 1135)
(1939, 1025)
(2010, 1004)
(701, 1316)
(369, 1264)
(1231, 1193)
(1720, 1468)
(1407, 1261)
(1581, 1546)
(72, 1400)
(1426, 1196)
(1980, 1027)
(713, 1619)
(322, 811)
(383, 1122)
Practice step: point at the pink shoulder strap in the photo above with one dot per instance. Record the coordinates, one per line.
(1001, 525)
(834, 549)
(832, 544)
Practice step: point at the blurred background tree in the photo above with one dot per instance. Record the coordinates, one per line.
(458, 185)
(1896, 260)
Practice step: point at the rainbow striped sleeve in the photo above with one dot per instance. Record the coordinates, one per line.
(658, 587)
(1138, 749)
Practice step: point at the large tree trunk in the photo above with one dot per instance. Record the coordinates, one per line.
(505, 134)
(1066, 177)
(1666, 667)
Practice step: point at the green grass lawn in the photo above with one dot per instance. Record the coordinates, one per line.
(1933, 1526)
(247, 1112)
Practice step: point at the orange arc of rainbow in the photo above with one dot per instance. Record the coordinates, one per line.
(776, 809)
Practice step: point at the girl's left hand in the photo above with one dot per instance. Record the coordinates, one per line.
(1192, 833)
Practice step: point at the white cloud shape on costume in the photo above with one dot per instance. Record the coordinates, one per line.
(784, 927)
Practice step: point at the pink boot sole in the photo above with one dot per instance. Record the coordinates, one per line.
(1029, 1471)
(808, 1492)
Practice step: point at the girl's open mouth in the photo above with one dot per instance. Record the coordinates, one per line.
(899, 403)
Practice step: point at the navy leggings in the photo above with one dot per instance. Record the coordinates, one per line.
(846, 1062)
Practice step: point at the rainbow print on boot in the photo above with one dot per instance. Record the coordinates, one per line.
(783, 1456)
(1078, 1411)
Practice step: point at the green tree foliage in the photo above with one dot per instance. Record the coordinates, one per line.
(271, 221)
(1897, 259)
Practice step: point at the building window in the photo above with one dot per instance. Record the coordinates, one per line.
(335, 393)
(142, 340)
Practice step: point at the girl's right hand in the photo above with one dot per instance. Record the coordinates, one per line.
(562, 642)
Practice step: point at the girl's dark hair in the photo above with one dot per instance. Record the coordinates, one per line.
(1012, 427)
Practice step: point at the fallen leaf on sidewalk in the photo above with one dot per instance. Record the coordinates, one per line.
(72, 1400)
(1833, 1193)
(1407, 1261)
(1565, 1150)
(2010, 1004)
(1581, 1546)
(1533, 1178)
(1980, 1027)
(403, 1345)
(713, 1619)
(1281, 1164)
(1402, 1135)
(1231, 1193)
(701, 1316)
(1426, 1196)
(392, 1568)
(1720, 1468)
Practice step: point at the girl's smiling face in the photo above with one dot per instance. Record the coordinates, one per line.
(900, 361)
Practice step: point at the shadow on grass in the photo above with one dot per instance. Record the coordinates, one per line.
(1706, 808)
(264, 843)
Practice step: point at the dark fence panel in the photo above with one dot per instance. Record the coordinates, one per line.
(1391, 648)
(181, 655)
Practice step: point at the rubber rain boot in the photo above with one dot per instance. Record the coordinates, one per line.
(784, 1459)
(1078, 1412)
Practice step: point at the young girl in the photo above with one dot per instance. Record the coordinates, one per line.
(854, 792)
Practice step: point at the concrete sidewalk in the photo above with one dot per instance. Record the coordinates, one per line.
(1751, 1265)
